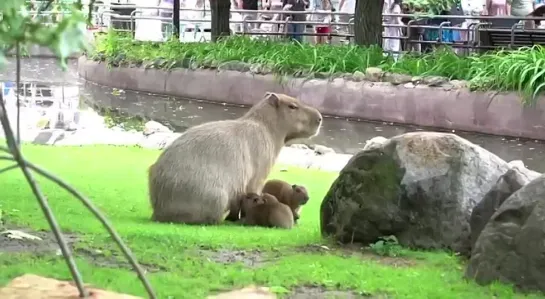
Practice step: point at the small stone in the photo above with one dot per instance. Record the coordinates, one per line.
(458, 84)
(409, 85)
(374, 74)
(235, 66)
(322, 75)
(397, 79)
(358, 76)
(434, 80)
(447, 86)
(416, 79)
(152, 127)
(322, 150)
(255, 69)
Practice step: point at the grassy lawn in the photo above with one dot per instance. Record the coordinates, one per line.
(186, 261)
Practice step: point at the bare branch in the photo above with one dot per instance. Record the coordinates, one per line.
(89, 205)
(9, 168)
(18, 157)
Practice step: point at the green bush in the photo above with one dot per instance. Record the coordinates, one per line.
(521, 70)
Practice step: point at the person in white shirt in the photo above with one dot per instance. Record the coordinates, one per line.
(346, 6)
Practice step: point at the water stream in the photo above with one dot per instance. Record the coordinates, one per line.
(91, 106)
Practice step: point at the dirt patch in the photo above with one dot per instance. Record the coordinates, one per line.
(99, 258)
(250, 258)
(319, 292)
(46, 242)
(353, 250)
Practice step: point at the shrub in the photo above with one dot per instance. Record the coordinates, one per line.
(521, 70)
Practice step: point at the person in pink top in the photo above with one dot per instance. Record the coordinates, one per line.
(497, 8)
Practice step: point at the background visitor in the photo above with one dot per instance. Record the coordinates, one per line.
(322, 6)
(295, 30)
(346, 6)
(497, 8)
(392, 44)
(251, 14)
(522, 8)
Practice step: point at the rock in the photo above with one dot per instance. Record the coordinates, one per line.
(397, 79)
(152, 127)
(458, 84)
(320, 149)
(530, 175)
(358, 76)
(510, 248)
(507, 184)
(373, 74)
(433, 81)
(374, 142)
(158, 140)
(34, 286)
(260, 69)
(420, 187)
(322, 75)
(299, 146)
(235, 66)
(409, 85)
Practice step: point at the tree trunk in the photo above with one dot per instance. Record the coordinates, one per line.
(368, 22)
(221, 10)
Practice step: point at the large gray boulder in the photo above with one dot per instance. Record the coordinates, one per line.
(510, 182)
(420, 187)
(511, 247)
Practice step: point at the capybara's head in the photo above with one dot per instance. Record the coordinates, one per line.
(300, 194)
(250, 200)
(292, 117)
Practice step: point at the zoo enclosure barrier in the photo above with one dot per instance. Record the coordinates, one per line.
(419, 33)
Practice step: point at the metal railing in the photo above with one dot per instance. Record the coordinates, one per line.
(473, 29)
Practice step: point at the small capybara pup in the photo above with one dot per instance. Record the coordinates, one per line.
(265, 210)
(294, 196)
(199, 177)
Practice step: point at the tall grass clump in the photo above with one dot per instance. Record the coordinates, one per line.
(521, 70)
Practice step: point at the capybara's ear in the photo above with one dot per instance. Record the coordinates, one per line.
(273, 99)
(293, 186)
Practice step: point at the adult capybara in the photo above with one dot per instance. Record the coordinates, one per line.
(294, 196)
(199, 177)
(265, 210)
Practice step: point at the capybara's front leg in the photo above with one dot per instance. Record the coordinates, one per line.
(234, 210)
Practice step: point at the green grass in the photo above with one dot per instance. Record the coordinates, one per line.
(114, 178)
(522, 70)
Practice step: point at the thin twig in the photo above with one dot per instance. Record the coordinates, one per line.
(9, 168)
(89, 205)
(18, 157)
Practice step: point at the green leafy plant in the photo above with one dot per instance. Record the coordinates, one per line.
(521, 70)
(387, 246)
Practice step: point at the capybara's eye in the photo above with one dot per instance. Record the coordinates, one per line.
(297, 190)
(293, 106)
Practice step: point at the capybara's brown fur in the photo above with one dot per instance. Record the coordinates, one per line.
(265, 210)
(294, 196)
(200, 176)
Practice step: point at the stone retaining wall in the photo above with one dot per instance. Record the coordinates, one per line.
(448, 107)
